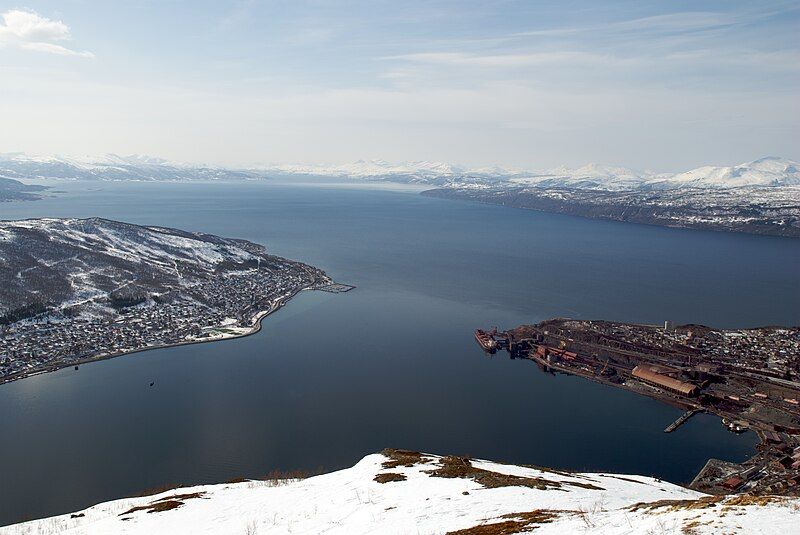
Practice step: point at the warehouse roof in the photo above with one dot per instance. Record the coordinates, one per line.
(687, 389)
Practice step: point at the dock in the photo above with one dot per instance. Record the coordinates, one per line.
(335, 288)
(681, 420)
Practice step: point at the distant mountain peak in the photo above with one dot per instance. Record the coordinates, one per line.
(768, 171)
(112, 167)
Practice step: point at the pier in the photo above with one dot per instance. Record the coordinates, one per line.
(335, 288)
(681, 420)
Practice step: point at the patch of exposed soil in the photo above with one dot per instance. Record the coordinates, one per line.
(155, 507)
(388, 477)
(405, 458)
(164, 504)
(629, 480)
(461, 467)
(705, 502)
(517, 523)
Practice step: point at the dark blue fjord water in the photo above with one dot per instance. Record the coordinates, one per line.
(331, 378)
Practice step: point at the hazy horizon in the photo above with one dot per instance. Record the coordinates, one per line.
(646, 85)
(323, 166)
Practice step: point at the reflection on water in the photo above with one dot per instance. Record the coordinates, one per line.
(392, 363)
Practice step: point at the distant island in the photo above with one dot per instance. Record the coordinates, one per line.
(14, 190)
(78, 290)
(748, 377)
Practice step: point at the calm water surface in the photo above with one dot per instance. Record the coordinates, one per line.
(331, 378)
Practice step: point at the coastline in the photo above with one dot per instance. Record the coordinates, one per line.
(575, 209)
(253, 328)
(675, 368)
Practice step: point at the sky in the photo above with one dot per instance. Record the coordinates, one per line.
(665, 86)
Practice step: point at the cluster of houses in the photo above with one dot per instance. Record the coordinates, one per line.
(229, 299)
(776, 350)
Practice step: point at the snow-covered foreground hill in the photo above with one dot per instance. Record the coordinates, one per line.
(405, 492)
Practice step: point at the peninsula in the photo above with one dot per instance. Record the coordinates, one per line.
(14, 190)
(78, 290)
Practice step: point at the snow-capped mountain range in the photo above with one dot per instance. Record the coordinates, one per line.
(401, 492)
(110, 167)
(769, 171)
(764, 172)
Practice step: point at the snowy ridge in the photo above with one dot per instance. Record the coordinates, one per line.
(111, 167)
(363, 168)
(765, 172)
(145, 245)
(427, 494)
(770, 171)
(77, 260)
(591, 176)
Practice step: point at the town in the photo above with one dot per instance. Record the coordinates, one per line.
(228, 305)
(748, 377)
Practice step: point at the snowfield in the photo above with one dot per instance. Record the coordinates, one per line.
(769, 171)
(427, 494)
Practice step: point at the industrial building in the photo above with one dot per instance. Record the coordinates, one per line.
(664, 381)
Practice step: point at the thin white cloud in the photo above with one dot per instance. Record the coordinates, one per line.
(27, 30)
(53, 48)
(508, 60)
(669, 23)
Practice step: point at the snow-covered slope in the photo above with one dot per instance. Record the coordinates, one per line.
(591, 176)
(421, 172)
(370, 168)
(402, 492)
(110, 167)
(765, 172)
(55, 263)
(770, 171)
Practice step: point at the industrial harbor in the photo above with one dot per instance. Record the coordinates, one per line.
(750, 378)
